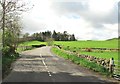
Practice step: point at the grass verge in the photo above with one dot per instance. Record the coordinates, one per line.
(6, 64)
(80, 61)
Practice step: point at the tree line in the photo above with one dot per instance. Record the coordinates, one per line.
(43, 36)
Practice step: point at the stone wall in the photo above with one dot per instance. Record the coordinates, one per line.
(100, 61)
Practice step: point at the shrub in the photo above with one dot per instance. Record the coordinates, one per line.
(5, 51)
(49, 41)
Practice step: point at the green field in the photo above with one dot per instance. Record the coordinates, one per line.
(81, 44)
(30, 43)
(75, 45)
(84, 44)
(106, 55)
(89, 44)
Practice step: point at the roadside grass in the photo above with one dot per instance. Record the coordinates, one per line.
(20, 49)
(80, 61)
(6, 63)
(29, 45)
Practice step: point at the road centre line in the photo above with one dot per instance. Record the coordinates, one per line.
(45, 65)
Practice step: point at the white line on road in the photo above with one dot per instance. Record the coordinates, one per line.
(45, 65)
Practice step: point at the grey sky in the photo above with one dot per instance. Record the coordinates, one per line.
(87, 19)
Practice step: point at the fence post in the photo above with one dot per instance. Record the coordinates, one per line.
(111, 65)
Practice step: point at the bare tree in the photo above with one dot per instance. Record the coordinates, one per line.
(10, 8)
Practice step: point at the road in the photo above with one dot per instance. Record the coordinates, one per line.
(40, 65)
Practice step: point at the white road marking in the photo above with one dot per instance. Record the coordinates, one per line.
(45, 66)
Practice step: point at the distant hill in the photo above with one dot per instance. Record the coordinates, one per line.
(113, 39)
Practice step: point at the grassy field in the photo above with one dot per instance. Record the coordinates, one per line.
(84, 44)
(81, 44)
(30, 43)
(75, 45)
(106, 55)
(89, 44)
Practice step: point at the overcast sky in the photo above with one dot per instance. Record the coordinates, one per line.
(87, 19)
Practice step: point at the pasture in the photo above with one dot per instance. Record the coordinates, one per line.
(90, 44)
(30, 43)
(79, 47)
(76, 45)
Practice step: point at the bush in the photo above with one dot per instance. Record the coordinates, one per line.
(8, 57)
(49, 41)
(6, 63)
(6, 51)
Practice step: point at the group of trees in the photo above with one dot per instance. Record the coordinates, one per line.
(63, 36)
(43, 36)
(10, 11)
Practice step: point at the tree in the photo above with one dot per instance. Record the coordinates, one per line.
(54, 36)
(26, 36)
(49, 41)
(72, 37)
(65, 36)
(9, 8)
(15, 30)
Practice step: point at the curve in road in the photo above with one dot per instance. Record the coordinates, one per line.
(40, 65)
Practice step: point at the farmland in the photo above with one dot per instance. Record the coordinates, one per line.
(90, 44)
(30, 43)
(76, 45)
(80, 46)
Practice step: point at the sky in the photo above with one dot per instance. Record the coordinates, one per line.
(87, 19)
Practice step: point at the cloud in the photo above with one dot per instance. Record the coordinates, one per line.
(32, 25)
(75, 16)
(84, 10)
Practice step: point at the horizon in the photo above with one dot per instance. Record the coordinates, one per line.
(86, 19)
(75, 36)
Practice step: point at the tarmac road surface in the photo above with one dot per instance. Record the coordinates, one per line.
(40, 65)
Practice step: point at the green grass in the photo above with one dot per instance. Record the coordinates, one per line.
(106, 55)
(83, 62)
(89, 44)
(79, 44)
(30, 43)
(6, 63)
(84, 44)
(75, 45)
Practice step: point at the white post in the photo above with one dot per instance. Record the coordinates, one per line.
(111, 65)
